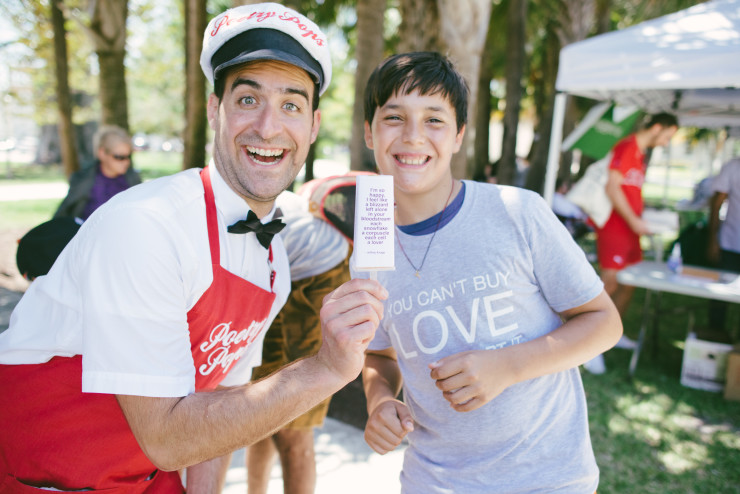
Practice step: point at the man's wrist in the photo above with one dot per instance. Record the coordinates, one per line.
(325, 375)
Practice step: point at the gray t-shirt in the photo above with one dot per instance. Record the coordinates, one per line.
(495, 275)
(728, 182)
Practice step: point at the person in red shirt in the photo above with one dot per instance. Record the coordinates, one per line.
(618, 241)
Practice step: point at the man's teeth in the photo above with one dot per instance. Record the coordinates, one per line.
(412, 161)
(265, 152)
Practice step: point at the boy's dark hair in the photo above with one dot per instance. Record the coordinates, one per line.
(663, 119)
(220, 81)
(426, 71)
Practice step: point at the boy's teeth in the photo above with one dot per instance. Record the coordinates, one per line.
(265, 152)
(412, 161)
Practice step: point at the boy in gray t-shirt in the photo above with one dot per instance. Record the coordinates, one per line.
(492, 307)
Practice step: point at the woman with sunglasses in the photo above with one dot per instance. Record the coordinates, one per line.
(112, 173)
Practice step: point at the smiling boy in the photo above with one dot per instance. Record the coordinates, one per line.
(491, 308)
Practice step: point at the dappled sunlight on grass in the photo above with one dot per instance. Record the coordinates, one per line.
(651, 434)
(684, 456)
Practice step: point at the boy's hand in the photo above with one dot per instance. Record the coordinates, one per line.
(388, 425)
(349, 317)
(469, 380)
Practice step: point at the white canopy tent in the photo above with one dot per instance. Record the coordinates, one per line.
(686, 63)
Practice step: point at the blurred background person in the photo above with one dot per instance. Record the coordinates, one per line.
(111, 173)
(618, 241)
(723, 244)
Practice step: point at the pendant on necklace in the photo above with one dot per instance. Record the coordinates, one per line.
(417, 274)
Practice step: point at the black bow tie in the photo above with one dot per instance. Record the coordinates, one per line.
(252, 224)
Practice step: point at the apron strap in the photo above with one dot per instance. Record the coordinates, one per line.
(211, 217)
(272, 271)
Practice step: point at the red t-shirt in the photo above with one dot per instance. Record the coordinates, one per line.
(617, 245)
(629, 160)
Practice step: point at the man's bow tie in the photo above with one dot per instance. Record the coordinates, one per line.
(252, 224)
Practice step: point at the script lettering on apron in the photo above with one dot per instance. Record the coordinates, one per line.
(219, 344)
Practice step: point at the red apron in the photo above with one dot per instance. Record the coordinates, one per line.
(53, 435)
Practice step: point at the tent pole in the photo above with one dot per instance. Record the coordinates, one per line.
(556, 139)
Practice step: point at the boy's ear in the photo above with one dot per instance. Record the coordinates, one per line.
(368, 136)
(459, 139)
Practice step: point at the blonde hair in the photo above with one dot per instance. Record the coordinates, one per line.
(107, 135)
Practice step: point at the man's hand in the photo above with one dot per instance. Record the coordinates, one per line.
(469, 380)
(640, 226)
(349, 317)
(387, 425)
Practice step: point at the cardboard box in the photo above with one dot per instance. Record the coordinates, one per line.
(704, 364)
(732, 385)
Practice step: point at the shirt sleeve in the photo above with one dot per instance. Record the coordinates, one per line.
(563, 273)
(135, 333)
(619, 160)
(721, 183)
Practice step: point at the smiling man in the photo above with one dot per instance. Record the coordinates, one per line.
(131, 359)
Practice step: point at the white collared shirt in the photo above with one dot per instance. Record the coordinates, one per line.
(120, 292)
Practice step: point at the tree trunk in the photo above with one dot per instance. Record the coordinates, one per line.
(483, 106)
(464, 27)
(571, 21)
(603, 11)
(196, 119)
(369, 53)
(544, 95)
(420, 26)
(64, 104)
(108, 31)
(515, 41)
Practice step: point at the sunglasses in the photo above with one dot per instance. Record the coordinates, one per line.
(121, 157)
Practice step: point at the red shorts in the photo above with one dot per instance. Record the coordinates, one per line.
(617, 246)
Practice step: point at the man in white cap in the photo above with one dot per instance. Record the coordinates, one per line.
(131, 359)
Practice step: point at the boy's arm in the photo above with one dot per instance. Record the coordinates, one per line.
(621, 205)
(469, 380)
(209, 476)
(381, 377)
(389, 420)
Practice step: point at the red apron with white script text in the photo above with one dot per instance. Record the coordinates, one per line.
(53, 435)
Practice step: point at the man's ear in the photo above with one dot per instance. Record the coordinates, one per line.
(212, 109)
(316, 125)
(368, 136)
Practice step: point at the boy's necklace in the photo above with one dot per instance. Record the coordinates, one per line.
(441, 215)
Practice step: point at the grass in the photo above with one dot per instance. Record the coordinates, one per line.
(14, 173)
(27, 213)
(651, 434)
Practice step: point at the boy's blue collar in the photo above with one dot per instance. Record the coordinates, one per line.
(428, 225)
